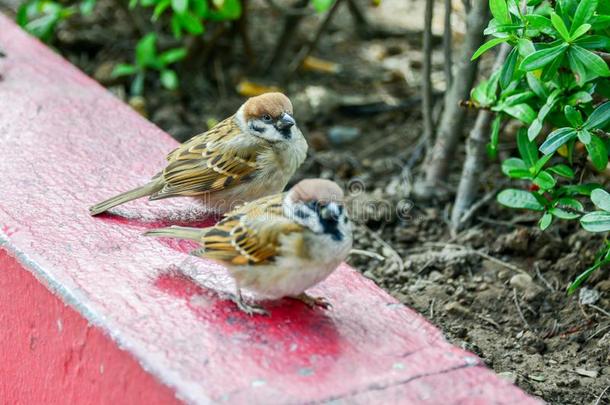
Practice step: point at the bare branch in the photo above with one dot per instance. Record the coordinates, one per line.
(427, 76)
(447, 44)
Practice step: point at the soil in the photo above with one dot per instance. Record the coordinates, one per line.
(497, 288)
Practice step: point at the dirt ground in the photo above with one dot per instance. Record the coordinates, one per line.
(497, 288)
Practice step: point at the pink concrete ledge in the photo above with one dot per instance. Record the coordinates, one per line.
(93, 312)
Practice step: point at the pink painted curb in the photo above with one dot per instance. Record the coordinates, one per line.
(67, 143)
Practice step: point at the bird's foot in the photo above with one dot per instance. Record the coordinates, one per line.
(313, 302)
(249, 309)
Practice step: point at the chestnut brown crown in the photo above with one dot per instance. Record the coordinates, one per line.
(316, 190)
(272, 104)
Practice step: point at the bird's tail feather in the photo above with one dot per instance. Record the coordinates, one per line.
(179, 232)
(122, 198)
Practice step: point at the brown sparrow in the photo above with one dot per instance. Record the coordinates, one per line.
(248, 155)
(280, 245)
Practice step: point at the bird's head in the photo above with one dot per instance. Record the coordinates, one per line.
(317, 204)
(268, 116)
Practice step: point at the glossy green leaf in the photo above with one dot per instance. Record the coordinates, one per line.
(540, 22)
(583, 14)
(591, 61)
(515, 168)
(556, 139)
(536, 85)
(499, 9)
(584, 136)
(560, 26)
(601, 199)
(579, 69)
(191, 23)
(179, 6)
(583, 277)
(562, 170)
(598, 153)
(487, 46)
(573, 116)
(492, 146)
(172, 56)
(545, 221)
(169, 79)
(542, 57)
(545, 180)
(508, 68)
(522, 112)
(599, 118)
(522, 199)
(596, 221)
(322, 5)
(567, 208)
(123, 69)
(582, 30)
(146, 50)
(160, 9)
(594, 42)
(541, 162)
(527, 148)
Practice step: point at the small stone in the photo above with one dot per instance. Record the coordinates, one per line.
(138, 103)
(521, 281)
(603, 286)
(587, 296)
(103, 73)
(537, 377)
(587, 373)
(508, 376)
(456, 308)
(339, 135)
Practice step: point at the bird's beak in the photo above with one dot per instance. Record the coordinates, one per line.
(285, 122)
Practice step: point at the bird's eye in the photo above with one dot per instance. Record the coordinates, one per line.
(267, 118)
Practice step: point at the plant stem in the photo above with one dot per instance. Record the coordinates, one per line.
(447, 44)
(452, 120)
(475, 158)
(291, 23)
(427, 101)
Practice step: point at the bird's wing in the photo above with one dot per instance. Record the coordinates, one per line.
(249, 234)
(205, 163)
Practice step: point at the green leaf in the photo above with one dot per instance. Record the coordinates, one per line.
(518, 98)
(599, 118)
(492, 146)
(545, 180)
(527, 148)
(583, 277)
(556, 139)
(594, 42)
(172, 56)
(567, 208)
(596, 221)
(580, 97)
(536, 85)
(542, 57)
(562, 170)
(499, 9)
(160, 8)
(514, 198)
(190, 23)
(541, 162)
(525, 47)
(582, 30)
(227, 11)
(573, 116)
(549, 73)
(200, 8)
(601, 199)
(581, 72)
(146, 50)
(87, 6)
(545, 221)
(137, 86)
(487, 46)
(590, 60)
(522, 112)
(169, 79)
(176, 26)
(508, 68)
(123, 69)
(583, 14)
(322, 5)
(560, 27)
(540, 23)
(179, 6)
(598, 153)
(584, 136)
(516, 169)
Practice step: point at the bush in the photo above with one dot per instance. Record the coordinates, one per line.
(555, 81)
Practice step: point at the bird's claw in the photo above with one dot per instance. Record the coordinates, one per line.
(313, 302)
(250, 309)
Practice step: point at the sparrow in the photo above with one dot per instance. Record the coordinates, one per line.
(246, 156)
(279, 245)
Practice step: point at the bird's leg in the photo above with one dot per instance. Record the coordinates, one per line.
(248, 309)
(313, 302)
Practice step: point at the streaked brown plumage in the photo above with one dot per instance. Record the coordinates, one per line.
(248, 155)
(278, 245)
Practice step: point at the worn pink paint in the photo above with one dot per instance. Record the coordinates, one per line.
(67, 143)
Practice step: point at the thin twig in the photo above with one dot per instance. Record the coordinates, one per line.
(597, 332)
(516, 300)
(289, 11)
(599, 399)
(479, 253)
(432, 308)
(541, 277)
(385, 244)
(427, 101)
(477, 205)
(367, 253)
(489, 321)
(447, 44)
(603, 311)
